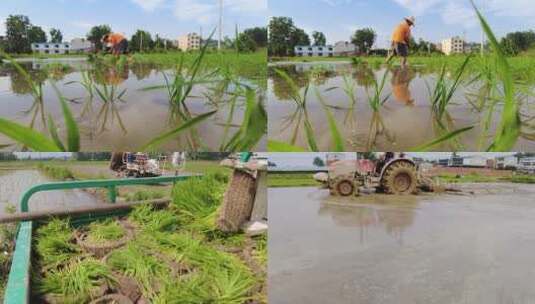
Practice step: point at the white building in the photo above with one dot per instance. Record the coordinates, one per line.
(506, 162)
(453, 45)
(344, 48)
(191, 41)
(314, 51)
(475, 161)
(76, 45)
(527, 165)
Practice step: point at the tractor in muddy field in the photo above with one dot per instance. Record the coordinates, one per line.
(392, 173)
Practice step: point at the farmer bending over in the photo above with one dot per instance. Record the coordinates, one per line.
(117, 42)
(400, 41)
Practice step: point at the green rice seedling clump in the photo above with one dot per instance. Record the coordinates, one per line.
(144, 195)
(108, 230)
(154, 220)
(55, 243)
(56, 172)
(197, 197)
(79, 282)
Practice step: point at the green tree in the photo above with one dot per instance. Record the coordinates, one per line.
(298, 37)
(17, 27)
(141, 41)
(96, 33)
(284, 36)
(517, 42)
(258, 35)
(36, 34)
(246, 43)
(318, 162)
(319, 38)
(364, 39)
(56, 36)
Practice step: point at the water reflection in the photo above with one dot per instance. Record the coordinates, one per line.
(401, 80)
(394, 215)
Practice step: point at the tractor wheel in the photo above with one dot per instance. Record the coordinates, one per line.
(345, 187)
(400, 178)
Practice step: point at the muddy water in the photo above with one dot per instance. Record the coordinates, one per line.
(383, 249)
(120, 125)
(13, 184)
(405, 121)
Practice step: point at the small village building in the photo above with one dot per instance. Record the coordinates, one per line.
(314, 51)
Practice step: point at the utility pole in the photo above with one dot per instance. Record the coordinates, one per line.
(220, 24)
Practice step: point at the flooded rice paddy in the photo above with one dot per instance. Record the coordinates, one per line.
(416, 249)
(406, 119)
(133, 118)
(14, 183)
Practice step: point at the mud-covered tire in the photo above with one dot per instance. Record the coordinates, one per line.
(400, 178)
(345, 187)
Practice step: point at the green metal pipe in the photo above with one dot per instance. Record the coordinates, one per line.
(110, 185)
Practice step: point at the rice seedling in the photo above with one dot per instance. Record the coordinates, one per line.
(443, 91)
(442, 139)
(80, 281)
(185, 79)
(108, 230)
(338, 142)
(197, 197)
(36, 88)
(144, 195)
(55, 172)
(136, 262)
(154, 220)
(40, 142)
(253, 126)
(376, 100)
(508, 129)
(55, 243)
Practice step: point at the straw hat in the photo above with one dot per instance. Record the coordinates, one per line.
(411, 20)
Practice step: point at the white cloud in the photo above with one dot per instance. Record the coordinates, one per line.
(337, 2)
(82, 24)
(454, 13)
(148, 5)
(418, 7)
(207, 11)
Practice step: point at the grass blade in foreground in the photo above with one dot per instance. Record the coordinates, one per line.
(28, 137)
(449, 136)
(153, 144)
(508, 130)
(73, 134)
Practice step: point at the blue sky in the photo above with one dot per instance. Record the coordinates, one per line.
(435, 19)
(169, 18)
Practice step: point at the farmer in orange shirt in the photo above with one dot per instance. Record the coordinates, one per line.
(117, 42)
(400, 41)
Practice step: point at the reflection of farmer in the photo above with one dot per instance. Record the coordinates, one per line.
(400, 41)
(401, 79)
(117, 42)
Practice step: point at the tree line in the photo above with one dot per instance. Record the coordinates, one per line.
(21, 33)
(284, 35)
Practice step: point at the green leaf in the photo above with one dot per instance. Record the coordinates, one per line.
(278, 146)
(53, 130)
(449, 136)
(335, 133)
(156, 142)
(73, 134)
(508, 130)
(28, 137)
